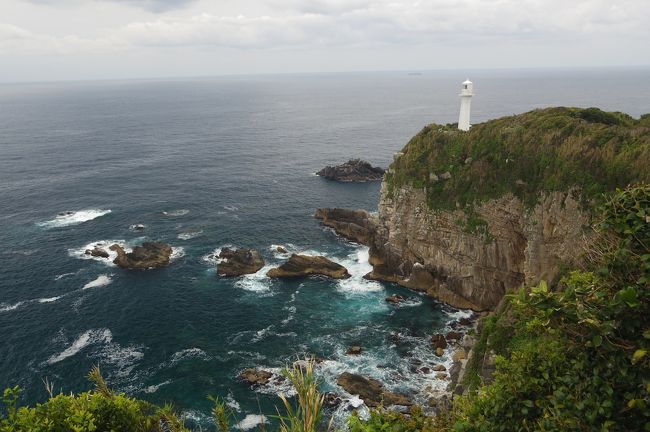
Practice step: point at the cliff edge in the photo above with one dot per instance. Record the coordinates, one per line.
(468, 216)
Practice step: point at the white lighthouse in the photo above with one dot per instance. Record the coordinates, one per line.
(466, 93)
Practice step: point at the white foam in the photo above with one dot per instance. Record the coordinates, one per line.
(232, 403)
(358, 266)
(154, 388)
(49, 300)
(251, 421)
(231, 208)
(73, 218)
(6, 307)
(189, 235)
(80, 253)
(213, 257)
(86, 338)
(102, 280)
(181, 212)
(177, 252)
(188, 353)
(123, 359)
(61, 276)
(256, 282)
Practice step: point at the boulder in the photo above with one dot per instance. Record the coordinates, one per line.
(395, 299)
(332, 400)
(454, 335)
(149, 255)
(439, 368)
(354, 170)
(354, 350)
(465, 321)
(281, 249)
(440, 352)
(97, 252)
(306, 265)
(459, 355)
(441, 375)
(370, 390)
(425, 370)
(240, 261)
(256, 376)
(439, 341)
(445, 175)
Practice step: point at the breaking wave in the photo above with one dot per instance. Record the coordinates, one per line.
(73, 218)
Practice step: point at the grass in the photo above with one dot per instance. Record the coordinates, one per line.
(554, 149)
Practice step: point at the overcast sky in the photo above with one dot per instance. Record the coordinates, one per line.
(81, 39)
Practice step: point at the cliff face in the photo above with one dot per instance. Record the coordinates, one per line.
(431, 250)
(467, 216)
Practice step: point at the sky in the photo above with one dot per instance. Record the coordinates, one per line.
(44, 40)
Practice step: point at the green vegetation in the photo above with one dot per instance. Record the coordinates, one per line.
(103, 410)
(572, 358)
(554, 149)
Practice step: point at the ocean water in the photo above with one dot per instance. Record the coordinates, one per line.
(206, 163)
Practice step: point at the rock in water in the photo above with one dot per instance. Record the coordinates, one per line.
(356, 225)
(237, 262)
(354, 170)
(256, 376)
(370, 390)
(306, 265)
(149, 255)
(97, 252)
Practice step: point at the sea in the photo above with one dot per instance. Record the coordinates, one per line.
(206, 163)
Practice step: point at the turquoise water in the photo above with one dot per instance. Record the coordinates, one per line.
(231, 162)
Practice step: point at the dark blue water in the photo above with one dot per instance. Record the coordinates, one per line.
(231, 161)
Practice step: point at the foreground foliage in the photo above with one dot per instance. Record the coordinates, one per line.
(102, 410)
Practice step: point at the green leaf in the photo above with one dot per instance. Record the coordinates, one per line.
(629, 296)
(597, 340)
(638, 355)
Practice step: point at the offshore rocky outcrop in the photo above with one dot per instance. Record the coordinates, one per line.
(354, 170)
(239, 261)
(468, 216)
(148, 256)
(307, 265)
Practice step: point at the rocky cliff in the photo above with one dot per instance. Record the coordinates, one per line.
(468, 216)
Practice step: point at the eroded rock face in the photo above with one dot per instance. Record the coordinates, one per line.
(371, 391)
(306, 265)
(148, 256)
(432, 251)
(238, 262)
(353, 170)
(356, 225)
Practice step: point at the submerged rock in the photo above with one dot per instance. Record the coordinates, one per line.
(237, 262)
(354, 170)
(354, 350)
(395, 299)
(370, 390)
(306, 265)
(149, 255)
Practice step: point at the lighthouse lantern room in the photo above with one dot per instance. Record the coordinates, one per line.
(466, 93)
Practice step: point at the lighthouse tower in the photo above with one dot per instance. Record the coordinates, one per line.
(466, 93)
